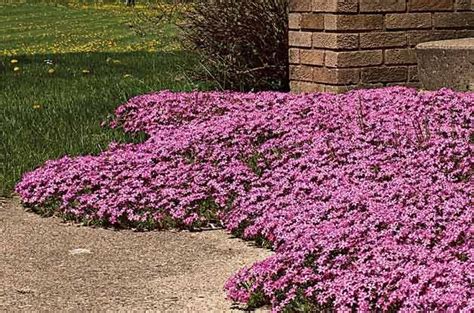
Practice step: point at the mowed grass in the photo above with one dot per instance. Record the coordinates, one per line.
(31, 28)
(52, 101)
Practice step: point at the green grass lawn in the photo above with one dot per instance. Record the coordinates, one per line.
(53, 99)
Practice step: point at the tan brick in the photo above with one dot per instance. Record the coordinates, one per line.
(294, 20)
(464, 5)
(333, 6)
(338, 89)
(430, 5)
(413, 73)
(465, 33)
(353, 22)
(382, 40)
(382, 6)
(300, 5)
(408, 21)
(312, 21)
(415, 85)
(312, 57)
(453, 20)
(298, 87)
(354, 58)
(299, 39)
(416, 37)
(335, 41)
(335, 76)
(341, 89)
(301, 72)
(384, 74)
(371, 86)
(400, 56)
(294, 56)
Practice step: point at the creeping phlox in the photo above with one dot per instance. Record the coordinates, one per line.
(366, 197)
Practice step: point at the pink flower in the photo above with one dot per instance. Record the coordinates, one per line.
(365, 197)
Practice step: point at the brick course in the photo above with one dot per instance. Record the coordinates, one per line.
(453, 20)
(300, 39)
(337, 22)
(338, 45)
(430, 5)
(354, 58)
(312, 57)
(408, 21)
(335, 41)
(334, 6)
(312, 21)
(464, 5)
(400, 56)
(382, 6)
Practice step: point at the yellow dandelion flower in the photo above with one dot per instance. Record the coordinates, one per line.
(16, 69)
(85, 71)
(14, 61)
(36, 106)
(51, 71)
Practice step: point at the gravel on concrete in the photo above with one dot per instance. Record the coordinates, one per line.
(49, 265)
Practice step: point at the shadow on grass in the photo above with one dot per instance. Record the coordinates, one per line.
(52, 105)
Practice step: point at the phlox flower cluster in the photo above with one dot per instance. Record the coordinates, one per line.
(366, 197)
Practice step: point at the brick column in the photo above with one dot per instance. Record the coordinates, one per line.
(338, 45)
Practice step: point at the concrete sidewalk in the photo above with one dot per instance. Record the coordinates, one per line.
(49, 265)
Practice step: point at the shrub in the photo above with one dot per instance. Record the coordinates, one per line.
(243, 44)
(366, 197)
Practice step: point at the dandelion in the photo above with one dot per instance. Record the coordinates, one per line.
(85, 71)
(36, 106)
(16, 69)
(51, 71)
(14, 61)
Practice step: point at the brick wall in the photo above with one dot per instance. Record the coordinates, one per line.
(337, 45)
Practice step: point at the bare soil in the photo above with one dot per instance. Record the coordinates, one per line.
(49, 265)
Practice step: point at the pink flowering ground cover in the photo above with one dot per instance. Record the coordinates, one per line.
(366, 197)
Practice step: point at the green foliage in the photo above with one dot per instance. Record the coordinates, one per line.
(257, 299)
(303, 304)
